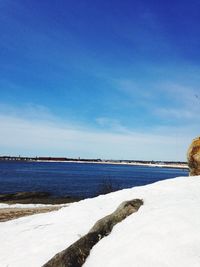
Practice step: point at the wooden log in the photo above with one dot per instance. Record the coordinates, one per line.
(76, 254)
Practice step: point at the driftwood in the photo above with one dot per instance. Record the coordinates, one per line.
(76, 254)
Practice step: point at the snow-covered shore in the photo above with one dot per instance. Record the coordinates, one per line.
(161, 165)
(164, 232)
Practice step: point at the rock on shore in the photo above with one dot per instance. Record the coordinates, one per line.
(35, 198)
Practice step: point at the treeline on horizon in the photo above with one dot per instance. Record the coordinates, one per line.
(64, 159)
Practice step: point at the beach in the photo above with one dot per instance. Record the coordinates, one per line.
(7, 214)
(13, 206)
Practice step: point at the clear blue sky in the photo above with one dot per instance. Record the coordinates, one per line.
(109, 79)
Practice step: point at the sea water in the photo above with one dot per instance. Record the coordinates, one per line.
(77, 179)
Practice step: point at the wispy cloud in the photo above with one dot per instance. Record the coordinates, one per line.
(111, 124)
(162, 99)
(28, 111)
(176, 113)
(22, 135)
(184, 94)
(184, 105)
(133, 89)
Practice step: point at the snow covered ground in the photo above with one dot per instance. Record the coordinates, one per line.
(165, 232)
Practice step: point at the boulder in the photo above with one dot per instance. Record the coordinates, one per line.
(194, 157)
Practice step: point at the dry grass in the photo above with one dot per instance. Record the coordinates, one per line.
(7, 214)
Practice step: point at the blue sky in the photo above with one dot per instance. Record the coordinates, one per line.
(104, 79)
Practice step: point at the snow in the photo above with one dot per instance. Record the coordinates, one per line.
(164, 232)
(162, 165)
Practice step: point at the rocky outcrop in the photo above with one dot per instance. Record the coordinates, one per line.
(35, 198)
(23, 195)
(76, 254)
(194, 157)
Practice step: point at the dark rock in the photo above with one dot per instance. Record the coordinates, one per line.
(23, 195)
(35, 198)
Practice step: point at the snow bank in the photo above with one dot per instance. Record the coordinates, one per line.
(164, 232)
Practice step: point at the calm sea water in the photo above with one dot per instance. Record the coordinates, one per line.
(77, 179)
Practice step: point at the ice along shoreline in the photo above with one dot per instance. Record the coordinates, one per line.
(147, 163)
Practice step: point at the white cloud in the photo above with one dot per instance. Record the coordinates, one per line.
(133, 89)
(34, 137)
(163, 99)
(176, 113)
(111, 124)
(184, 105)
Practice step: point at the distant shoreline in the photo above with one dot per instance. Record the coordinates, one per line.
(110, 162)
(175, 166)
